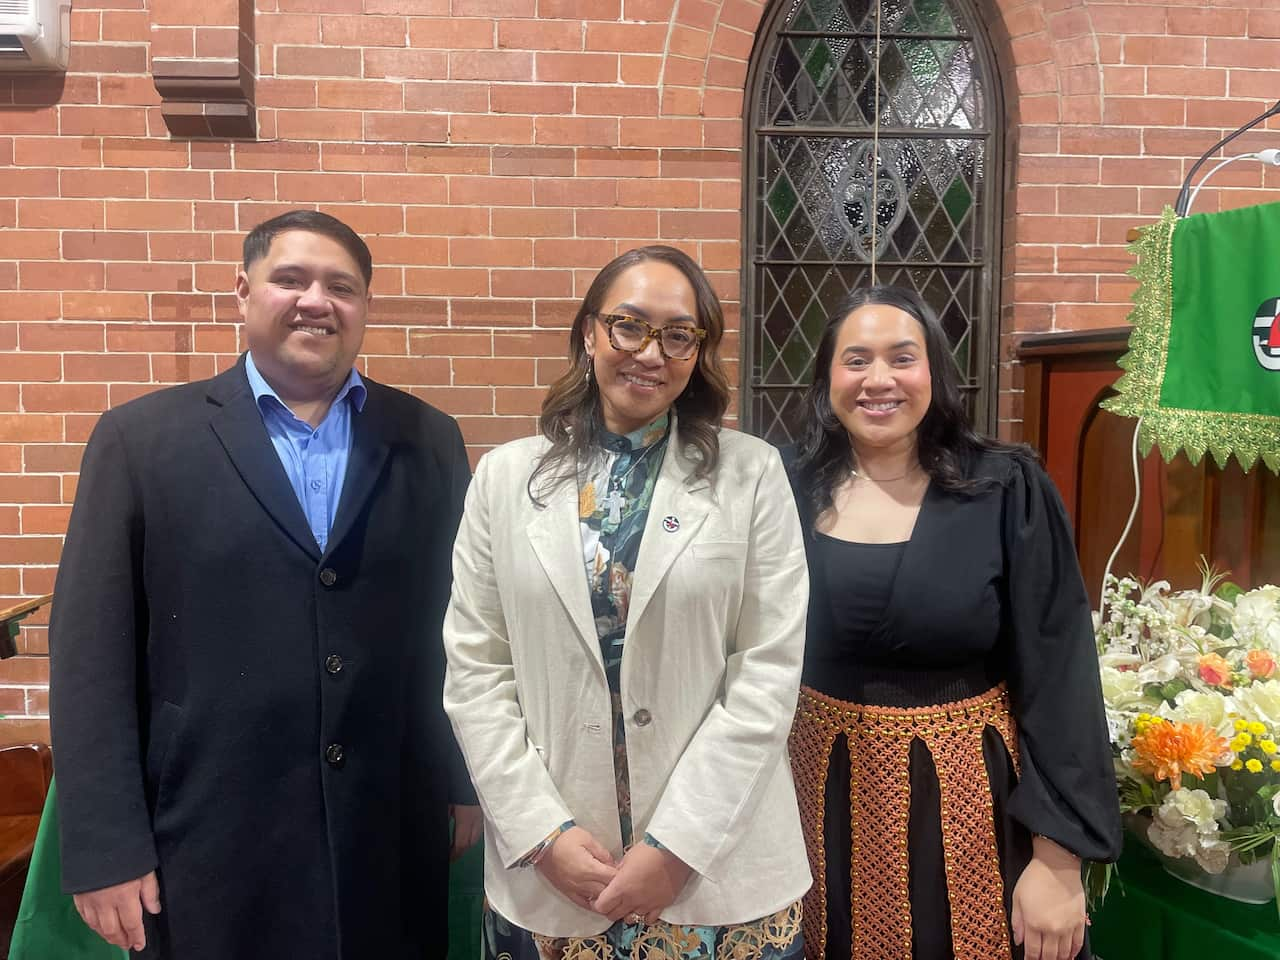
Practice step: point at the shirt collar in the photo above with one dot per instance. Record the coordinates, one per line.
(645, 436)
(353, 388)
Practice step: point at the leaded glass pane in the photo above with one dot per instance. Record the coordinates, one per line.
(863, 151)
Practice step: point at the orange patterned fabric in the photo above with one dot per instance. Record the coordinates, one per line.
(879, 740)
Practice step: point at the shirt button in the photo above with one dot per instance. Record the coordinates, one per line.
(316, 484)
(642, 717)
(333, 663)
(334, 755)
(328, 576)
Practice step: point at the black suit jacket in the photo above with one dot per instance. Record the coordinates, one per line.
(258, 720)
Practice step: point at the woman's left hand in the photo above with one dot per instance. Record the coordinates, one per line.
(648, 881)
(1048, 904)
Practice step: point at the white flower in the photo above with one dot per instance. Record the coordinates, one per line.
(1187, 605)
(1260, 701)
(1121, 688)
(1275, 804)
(1210, 709)
(1161, 670)
(1213, 855)
(1256, 618)
(1196, 806)
(1186, 825)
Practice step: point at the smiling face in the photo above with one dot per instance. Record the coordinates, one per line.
(880, 384)
(636, 388)
(304, 306)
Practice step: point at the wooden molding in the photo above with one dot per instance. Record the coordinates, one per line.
(9, 621)
(205, 97)
(1072, 342)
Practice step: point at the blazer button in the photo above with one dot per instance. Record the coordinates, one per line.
(642, 717)
(328, 576)
(334, 755)
(333, 663)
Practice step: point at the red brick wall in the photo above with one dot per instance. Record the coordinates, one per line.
(497, 152)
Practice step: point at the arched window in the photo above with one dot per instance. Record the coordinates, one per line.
(816, 155)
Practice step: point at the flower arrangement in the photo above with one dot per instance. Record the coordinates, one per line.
(1192, 690)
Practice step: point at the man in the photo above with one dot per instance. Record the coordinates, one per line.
(251, 753)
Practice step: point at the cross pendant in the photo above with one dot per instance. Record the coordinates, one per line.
(614, 503)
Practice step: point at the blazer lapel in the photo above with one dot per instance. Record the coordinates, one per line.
(369, 449)
(680, 504)
(556, 539)
(239, 428)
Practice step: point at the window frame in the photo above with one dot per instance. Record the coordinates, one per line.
(985, 328)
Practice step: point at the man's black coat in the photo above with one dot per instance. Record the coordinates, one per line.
(259, 721)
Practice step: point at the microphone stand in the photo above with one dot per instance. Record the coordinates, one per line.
(1184, 195)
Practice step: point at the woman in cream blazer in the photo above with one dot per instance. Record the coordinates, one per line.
(702, 642)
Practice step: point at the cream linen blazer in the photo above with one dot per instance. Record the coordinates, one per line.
(709, 681)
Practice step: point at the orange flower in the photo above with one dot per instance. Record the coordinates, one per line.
(1215, 670)
(1260, 663)
(1168, 750)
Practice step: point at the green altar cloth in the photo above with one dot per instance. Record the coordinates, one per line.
(1149, 915)
(49, 928)
(48, 925)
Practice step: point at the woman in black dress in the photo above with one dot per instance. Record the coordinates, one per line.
(950, 747)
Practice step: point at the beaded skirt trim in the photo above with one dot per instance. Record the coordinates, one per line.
(879, 740)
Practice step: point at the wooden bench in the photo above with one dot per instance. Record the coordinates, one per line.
(25, 771)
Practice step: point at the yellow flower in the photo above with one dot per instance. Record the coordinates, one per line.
(1257, 729)
(1238, 743)
(1275, 765)
(1240, 725)
(1253, 766)
(1268, 746)
(1245, 739)
(1237, 765)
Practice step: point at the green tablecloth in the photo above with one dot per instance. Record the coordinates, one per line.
(1150, 915)
(49, 928)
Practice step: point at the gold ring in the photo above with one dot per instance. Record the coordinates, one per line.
(635, 918)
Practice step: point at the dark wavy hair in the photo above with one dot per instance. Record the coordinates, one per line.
(571, 413)
(946, 443)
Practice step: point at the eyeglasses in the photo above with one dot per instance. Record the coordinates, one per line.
(676, 341)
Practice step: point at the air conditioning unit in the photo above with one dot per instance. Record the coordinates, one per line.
(35, 34)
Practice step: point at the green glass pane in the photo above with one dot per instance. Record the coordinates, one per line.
(820, 65)
(797, 355)
(957, 200)
(934, 16)
(961, 354)
(803, 20)
(814, 319)
(782, 200)
(922, 63)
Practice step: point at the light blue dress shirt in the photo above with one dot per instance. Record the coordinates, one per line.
(314, 458)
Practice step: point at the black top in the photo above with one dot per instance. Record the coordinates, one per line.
(859, 578)
(988, 588)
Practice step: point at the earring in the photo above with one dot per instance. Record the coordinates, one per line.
(586, 377)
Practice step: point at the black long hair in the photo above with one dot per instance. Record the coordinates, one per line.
(945, 442)
(571, 414)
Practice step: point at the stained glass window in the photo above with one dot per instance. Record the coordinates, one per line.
(819, 166)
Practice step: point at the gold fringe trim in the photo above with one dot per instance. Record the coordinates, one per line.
(1247, 436)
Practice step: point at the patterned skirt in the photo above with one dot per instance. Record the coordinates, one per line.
(771, 938)
(902, 807)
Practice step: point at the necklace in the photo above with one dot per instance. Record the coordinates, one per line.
(615, 500)
(854, 475)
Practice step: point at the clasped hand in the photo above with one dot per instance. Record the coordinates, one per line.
(643, 884)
